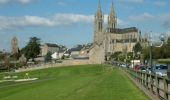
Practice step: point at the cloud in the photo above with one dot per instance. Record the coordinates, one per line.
(142, 17)
(164, 18)
(60, 3)
(160, 3)
(168, 33)
(4, 1)
(52, 21)
(60, 19)
(166, 24)
(67, 19)
(16, 1)
(25, 1)
(133, 1)
(160, 18)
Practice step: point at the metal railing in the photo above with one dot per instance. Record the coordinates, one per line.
(157, 85)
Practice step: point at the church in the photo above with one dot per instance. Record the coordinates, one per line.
(110, 39)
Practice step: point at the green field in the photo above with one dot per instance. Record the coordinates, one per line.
(86, 82)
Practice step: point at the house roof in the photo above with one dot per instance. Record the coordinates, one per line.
(75, 49)
(51, 45)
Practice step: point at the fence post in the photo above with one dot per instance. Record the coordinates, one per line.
(157, 85)
(151, 83)
(143, 78)
(146, 80)
(137, 76)
(165, 88)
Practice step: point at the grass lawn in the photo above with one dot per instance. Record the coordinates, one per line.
(86, 82)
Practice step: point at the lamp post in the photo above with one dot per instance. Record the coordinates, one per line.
(162, 38)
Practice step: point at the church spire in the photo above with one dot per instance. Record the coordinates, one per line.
(112, 21)
(99, 19)
(99, 10)
(99, 5)
(112, 9)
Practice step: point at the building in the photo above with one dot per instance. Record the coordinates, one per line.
(110, 39)
(14, 45)
(75, 51)
(48, 47)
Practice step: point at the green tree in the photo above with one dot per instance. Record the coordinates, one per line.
(156, 52)
(164, 52)
(168, 41)
(22, 60)
(137, 49)
(32, 49)
(7, 62)
(16, 56)
(2, 56)
(115, 56)
(168, 48)
(48, 57)
(145, 52)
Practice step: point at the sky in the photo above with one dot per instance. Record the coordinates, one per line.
(71, 22)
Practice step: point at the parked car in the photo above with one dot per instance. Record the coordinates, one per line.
(148, 70)
(124, 65)
(142, 68)
(136, 67)
(160, 69)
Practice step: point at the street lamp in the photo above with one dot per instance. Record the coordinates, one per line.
(162, 38)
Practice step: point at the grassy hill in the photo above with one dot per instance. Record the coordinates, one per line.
(86, 82)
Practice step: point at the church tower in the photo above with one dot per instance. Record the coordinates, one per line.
(99, 20)
(14, 44)
(112, 20)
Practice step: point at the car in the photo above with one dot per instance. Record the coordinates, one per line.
(142, 68)
(124, 65)
(136, 68)
(160, 69)
(148, 70)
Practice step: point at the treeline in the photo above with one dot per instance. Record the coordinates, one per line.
(158, 52)
(30, 51)
(143, 53)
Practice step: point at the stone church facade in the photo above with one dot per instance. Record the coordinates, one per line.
(110, 39)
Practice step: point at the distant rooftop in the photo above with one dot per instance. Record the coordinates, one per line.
(124, 30)
(52, 45)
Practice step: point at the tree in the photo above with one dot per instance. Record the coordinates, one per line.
(168, 48)
(156, 52)
(115, 55)
(32, 49)
(137, 48)
(2, 56)
(164, 52)
(48, 57)
(145, 52)
(7, 62)
(16, 56)
(168, 41)
(23, 60)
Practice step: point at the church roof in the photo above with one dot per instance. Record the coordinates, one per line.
(125, 30)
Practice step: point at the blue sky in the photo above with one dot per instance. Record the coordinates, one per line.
(70, 22)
